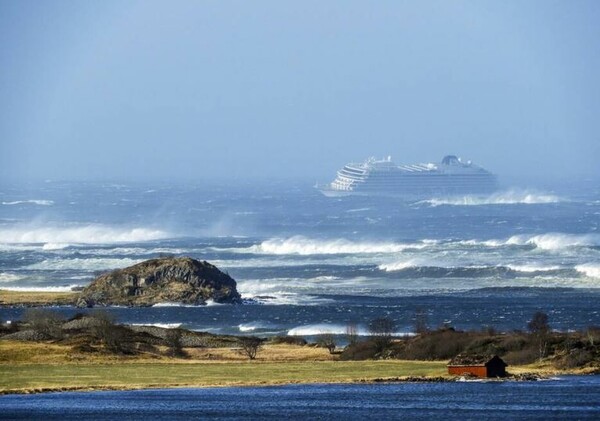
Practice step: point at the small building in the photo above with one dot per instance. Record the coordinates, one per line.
(477, 365)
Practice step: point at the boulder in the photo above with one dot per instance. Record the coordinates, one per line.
(173, 280)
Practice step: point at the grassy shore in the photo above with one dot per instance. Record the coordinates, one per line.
(24, 298)
(36, 367)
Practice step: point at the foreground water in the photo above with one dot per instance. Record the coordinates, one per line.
(311, 264)
(571, 397)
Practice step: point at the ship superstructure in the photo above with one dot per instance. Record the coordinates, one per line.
(452, 176)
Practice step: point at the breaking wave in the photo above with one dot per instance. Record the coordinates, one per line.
(161, 325)
(510, 197)
(555, 241)
(410, 269)
(590, 270)
(9, 277)
(334, 329)
(30, 202)
(87, 234)
(549, 241)
(306, 246)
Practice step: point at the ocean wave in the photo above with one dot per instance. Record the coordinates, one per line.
(591, 270)
(555, 241)
(253, 326)
(30, 202)
(306, 246)
(162, 325)
(510, 197)
(83, 234)
(288, 298)
(88, 264)
(10, 277)
(334, 329)
(548, 241)
(411, 269)
(62, 288)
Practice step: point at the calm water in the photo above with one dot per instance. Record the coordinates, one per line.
(572, 397)
(312, 264)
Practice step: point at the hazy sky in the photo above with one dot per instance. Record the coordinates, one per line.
(209, 89)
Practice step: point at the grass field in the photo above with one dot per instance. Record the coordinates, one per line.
(125, 375)
(36, 298)
(29, 367)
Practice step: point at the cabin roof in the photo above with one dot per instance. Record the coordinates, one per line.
(473, 359)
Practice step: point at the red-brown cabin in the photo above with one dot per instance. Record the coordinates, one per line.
(477, 365)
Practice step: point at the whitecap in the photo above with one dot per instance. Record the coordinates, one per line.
(79, 234)
(306, 246)
(591, 270)
(30, 202)
(510, 197)
(10, 277)
(334, 329)
(161, 325)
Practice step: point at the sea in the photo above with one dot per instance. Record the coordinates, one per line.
(307, 264)
(562, 398)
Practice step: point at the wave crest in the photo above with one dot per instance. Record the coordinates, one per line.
(510, 197)
(30, 202)
(305, 246)
(590, 270)
(86, 234)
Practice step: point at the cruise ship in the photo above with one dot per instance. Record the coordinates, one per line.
(450, 177)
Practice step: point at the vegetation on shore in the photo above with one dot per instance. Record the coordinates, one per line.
(37, 298)
(46, 352)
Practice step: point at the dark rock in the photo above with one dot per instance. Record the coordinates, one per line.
(178, 280)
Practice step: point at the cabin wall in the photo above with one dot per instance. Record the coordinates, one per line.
(479, 371)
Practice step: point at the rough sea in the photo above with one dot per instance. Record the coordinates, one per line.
(308, 264)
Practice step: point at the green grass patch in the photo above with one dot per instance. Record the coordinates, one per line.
(28, 377)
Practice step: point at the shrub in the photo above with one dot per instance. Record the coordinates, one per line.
(250, 346)
(45, 322)
(574, 359)
(173, 342)
(290, 340)
(326, 340)
(381, 330)
(360, 351)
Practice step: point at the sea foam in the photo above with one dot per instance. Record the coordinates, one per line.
(591, 270)
(306, 246)
(510, 197)
(30, 202)
(78, 234)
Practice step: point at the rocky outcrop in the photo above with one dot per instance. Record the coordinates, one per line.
(177, 280)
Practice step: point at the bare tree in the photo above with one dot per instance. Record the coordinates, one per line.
(45, 322)
(421, 321)
(352, 333)
(327, 340)
(250, 346)
(111, 335)
(593, 334)
(381, 330)
(539, 327)
(173, 341)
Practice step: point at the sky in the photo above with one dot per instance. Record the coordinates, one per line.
(199, 90)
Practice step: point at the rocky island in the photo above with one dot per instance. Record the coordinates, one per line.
(178, 280)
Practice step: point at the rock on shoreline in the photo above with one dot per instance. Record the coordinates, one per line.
(178, 280)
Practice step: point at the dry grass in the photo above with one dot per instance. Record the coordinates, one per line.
(8, 298)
